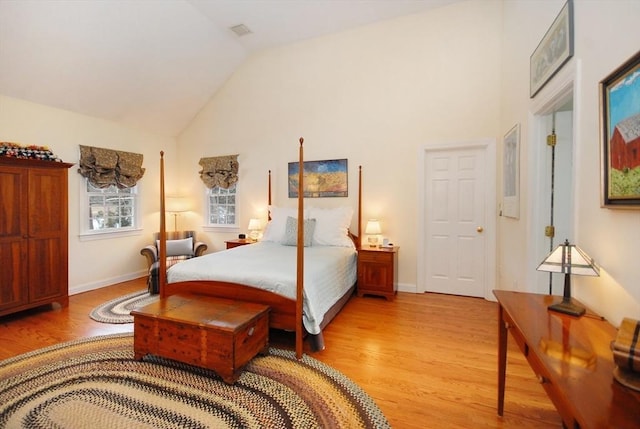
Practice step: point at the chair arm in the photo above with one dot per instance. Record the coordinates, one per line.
(150, 253)
(199, 248)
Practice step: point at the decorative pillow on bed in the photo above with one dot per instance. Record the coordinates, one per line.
(178, 247)
(275, 229)
(332, 226)
(291, 232)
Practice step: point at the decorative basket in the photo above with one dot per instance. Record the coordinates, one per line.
(626, 354)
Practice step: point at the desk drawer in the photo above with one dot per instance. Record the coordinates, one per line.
(552, 390)
(517, 335)
(541, 373)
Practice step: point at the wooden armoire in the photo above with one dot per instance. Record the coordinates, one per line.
(33, 234)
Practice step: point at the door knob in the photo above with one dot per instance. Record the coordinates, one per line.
(479, 229)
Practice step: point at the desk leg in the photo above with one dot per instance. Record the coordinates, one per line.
(502, 358)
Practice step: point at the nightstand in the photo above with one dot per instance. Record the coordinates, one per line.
(239, 242)
(377, 271)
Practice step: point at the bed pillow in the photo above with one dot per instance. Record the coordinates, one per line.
(332, 226)
(178, 247)
(291, 232)
(275, 228)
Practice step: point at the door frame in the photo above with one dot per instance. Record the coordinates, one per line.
(488, 145)
(563, 87)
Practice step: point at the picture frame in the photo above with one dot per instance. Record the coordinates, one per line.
(511, 173)
(620, 136)
(327, 178)
(553, 51)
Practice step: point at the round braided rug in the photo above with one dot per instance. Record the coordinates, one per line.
(118, 309)
(95, 383)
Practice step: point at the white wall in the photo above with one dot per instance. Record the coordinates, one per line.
(102, 262)
(374, 95)
(606, 34)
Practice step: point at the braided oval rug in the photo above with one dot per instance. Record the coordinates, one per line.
(118, 310)
(95, 383)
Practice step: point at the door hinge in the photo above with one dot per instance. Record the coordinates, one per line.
(550, 231)
(551, 139)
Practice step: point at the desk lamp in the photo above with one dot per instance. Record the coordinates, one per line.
(569, 259)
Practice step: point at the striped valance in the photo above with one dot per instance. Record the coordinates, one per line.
(219, 171)
(106, 167)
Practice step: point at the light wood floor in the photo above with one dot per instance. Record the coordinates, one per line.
(428, 360)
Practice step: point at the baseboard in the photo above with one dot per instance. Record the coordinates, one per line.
(106, 282)
(410, 288)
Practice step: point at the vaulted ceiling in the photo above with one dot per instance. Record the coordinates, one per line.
(154, 64)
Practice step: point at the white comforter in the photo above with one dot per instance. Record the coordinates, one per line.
(328, 273)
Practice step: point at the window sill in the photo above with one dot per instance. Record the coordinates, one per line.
(230, 228)
(105, 235)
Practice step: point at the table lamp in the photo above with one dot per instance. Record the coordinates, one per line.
(569, 259)
(373, 229)
(254, 229)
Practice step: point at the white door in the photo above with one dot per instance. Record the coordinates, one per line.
(455, 256)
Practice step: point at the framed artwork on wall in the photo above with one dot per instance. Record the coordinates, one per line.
(620, 136)
(321, 178)
(553, 51)
(511, 173)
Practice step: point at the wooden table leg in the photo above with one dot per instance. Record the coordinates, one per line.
(502, 358)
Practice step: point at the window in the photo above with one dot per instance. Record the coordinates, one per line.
(221, 205)
(109, 209)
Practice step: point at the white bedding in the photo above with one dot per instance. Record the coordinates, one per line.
(329, 271)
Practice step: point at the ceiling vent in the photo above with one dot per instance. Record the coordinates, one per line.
(240, 30)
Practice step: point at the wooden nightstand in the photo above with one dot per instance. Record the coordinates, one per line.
(239, 242)
(377, 271)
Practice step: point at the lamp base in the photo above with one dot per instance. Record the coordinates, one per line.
(567, 307)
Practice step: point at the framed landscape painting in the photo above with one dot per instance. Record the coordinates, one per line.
(511, 173)
(554, 50)
(620, 136)
(321, 178)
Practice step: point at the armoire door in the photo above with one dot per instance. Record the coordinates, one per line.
(48, 272)
(13, 233)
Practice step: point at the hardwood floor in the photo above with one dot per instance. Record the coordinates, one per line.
(428, 360)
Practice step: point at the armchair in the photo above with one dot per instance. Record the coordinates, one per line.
(181, 245)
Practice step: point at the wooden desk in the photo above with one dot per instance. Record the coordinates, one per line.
(572, 359)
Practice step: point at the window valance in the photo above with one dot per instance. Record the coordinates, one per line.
(106, 167)
(219, 171)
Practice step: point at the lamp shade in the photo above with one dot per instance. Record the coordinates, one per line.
(569, 259)
(254, 225)
(177, 204)
(373, 227)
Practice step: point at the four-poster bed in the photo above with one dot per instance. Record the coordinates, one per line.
(289, 310)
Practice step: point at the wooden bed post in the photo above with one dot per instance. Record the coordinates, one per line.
(269, 197)
(162, 256)
(359, 244)
(300, 254)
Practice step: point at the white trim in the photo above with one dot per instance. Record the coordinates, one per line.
(562, 88)
(221, 228)
(407, 287)
(235, 227)
(87, 234)
(105, 235)
(106, 282)
(489, 146)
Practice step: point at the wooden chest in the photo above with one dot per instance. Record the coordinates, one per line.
(214, 333)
